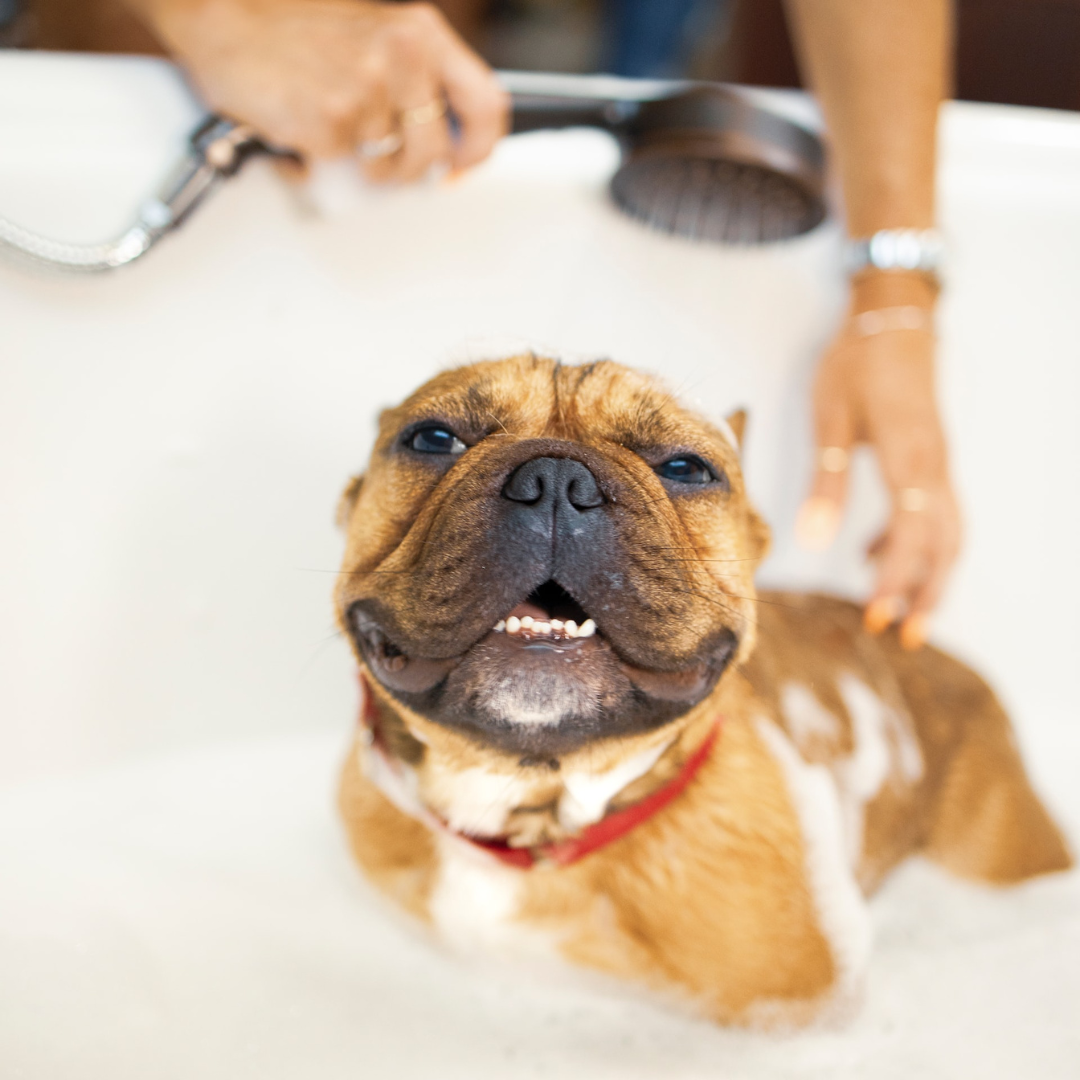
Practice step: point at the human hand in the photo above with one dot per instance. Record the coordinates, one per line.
(878, 388)
(326, 77)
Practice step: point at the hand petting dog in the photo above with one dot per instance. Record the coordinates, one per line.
(875, 386)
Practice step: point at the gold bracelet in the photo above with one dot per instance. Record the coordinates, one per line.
(885, 320)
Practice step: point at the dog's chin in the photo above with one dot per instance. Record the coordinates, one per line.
(541, 696)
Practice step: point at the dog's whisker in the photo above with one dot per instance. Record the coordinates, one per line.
(505, 431)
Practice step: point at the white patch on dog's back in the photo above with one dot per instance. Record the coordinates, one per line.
(842, 911)
(884, 746)
(866, 769)
(810, 723)
(877, 722)
(586, 794)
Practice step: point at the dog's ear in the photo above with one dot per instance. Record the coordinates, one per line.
(760, 533)
(348, 501)
(736, 421)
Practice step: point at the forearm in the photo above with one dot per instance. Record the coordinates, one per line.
(880, 70)
(180, 24)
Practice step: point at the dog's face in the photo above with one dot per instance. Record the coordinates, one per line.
(521, 489)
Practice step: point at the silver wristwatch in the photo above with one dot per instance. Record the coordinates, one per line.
(922, 250)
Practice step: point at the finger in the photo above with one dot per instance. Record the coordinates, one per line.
(881, 613)
(479, 104)
(918, 536)
(426, 138)
(913, 631)
(820, 515)
(877, 546)
(417, 98)
(905, 564)
(916, 625)
(377, 138)
(911, 454)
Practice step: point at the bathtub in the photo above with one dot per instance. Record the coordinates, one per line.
(175, 896)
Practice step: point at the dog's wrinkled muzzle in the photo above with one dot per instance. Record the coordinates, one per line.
(539, 633)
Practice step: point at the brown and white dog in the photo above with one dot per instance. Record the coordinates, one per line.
(584, 733)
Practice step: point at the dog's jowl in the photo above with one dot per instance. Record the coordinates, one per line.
(584, 733)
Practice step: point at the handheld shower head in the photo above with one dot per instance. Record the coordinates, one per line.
(699, 160)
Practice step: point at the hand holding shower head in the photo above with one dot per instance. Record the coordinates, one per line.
(699, 160)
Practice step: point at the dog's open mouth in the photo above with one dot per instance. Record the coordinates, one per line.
(544, 676)
(548, 619)
(548, 613)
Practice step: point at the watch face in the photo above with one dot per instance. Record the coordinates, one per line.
(903, 249)
(897, 249)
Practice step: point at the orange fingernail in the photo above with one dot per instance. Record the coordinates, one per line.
(453, 176)
(881, 613)
(817, 523)
(913, 632)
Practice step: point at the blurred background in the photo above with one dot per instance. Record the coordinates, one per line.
(1015, 52)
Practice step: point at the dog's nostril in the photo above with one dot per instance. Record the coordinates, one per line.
(545, 479)
(526, 485)
(583, 492)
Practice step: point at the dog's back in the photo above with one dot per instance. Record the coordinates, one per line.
(919, 746)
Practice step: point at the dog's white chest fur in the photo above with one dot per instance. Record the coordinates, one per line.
(476, 905)
(479, 801)
(476, 902)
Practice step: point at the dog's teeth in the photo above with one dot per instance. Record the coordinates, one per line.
(546, 627)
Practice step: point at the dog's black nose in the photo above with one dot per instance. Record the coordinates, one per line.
(548, 483)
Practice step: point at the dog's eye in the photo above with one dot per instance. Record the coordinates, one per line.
(686, 469)
(436, 440)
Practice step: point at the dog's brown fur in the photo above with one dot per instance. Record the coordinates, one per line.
(714, 897)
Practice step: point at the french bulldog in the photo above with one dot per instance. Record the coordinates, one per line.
(585, 734)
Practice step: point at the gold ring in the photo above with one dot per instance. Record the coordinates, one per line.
(372, 149)
(913, 500)
(423, 114)
(833, 459)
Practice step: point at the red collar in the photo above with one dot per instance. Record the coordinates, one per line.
(593, 837)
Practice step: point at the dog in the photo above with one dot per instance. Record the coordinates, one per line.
(585, 735)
